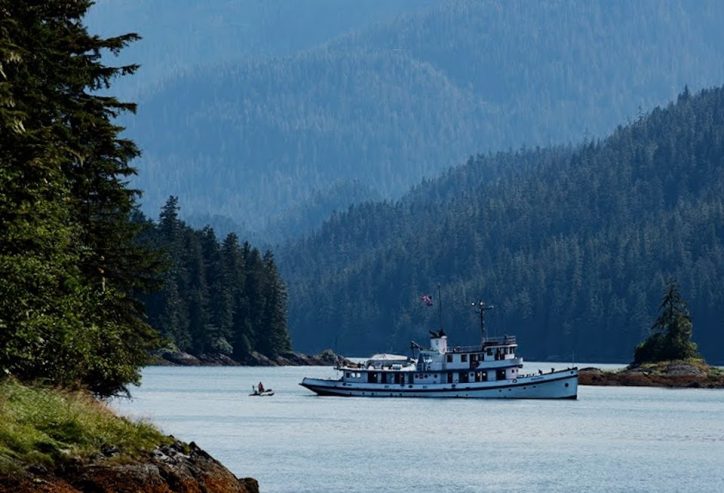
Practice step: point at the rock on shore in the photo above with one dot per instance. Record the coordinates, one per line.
(177, 468)
(177, 358)
(694, 374)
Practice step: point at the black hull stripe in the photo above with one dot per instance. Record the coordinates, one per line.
(323, 393)
(329, 390)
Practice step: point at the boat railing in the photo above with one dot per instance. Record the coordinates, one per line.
(499, 341)
(489, 341)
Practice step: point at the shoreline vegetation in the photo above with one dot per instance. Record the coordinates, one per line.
(289, 358)
(64, 441)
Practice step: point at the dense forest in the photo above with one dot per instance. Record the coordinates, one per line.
(252, 130)
(216, 296)
(84, 277)
(571, 244)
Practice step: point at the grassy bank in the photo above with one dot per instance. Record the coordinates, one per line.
(45, 427)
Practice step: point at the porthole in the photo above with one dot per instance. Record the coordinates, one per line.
(566, 385)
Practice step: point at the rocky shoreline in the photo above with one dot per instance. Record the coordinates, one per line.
(177, 358)
(177, 467)
(672, 374)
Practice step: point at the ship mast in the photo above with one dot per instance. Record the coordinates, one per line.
(481, 307)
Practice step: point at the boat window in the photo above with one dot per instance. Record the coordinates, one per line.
(464, 358)
(449, 358)
(490, 352)
(348, 374)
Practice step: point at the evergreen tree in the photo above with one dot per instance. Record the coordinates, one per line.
(69, 261)
(171, 316)
(671, 333)
(218, 331)
(275, 337)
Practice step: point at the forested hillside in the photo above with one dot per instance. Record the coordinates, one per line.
(182, 35)
(401, 96)
(216, 297)
(572, 245)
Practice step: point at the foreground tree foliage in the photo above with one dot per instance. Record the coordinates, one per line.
(69, 262)
(671, 333)
(217, 297)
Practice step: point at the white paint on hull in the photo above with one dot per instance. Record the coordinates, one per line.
(556, 385)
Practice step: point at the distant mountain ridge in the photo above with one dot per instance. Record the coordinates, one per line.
(572, 244)
(405, 96)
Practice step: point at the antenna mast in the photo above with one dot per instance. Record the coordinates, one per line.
(439, 306)
(481, 307)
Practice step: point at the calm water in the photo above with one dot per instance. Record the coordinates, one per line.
(610, 439)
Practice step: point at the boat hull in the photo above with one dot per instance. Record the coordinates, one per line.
(556, 385)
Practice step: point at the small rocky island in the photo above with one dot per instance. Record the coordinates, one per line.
(667, 358)
(679, 373)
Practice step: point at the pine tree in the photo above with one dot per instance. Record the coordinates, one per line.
(218, 331)
(172, 318)
(671, 332)
(276, 310)
(234, 265)
(70, 264)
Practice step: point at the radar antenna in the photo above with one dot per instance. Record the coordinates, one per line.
(482, 307)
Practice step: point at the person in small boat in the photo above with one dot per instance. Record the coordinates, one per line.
(260, 388)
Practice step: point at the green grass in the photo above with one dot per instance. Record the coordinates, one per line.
(44, 426)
